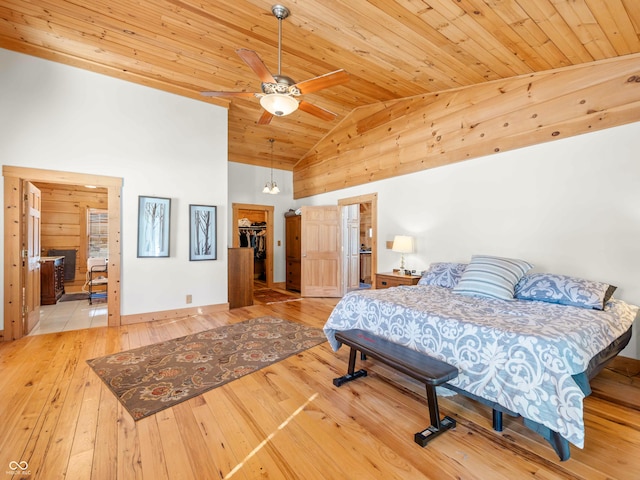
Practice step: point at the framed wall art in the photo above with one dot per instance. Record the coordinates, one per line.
(202, 232)
(154, 215)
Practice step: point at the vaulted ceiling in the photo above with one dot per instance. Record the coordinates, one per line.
(391, 49)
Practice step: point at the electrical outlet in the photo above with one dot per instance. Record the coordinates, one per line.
(189, 298)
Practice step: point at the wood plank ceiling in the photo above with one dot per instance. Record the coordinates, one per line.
(391, 49)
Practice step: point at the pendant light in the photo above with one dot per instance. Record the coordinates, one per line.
(271, 186)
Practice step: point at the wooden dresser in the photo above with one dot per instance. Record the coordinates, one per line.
(293, 249)
(391, 279)
(51, 279)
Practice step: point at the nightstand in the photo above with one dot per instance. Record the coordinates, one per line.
(391, 279)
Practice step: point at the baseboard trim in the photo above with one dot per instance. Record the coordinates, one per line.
(166, 314)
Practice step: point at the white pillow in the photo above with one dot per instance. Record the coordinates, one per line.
(492, 277)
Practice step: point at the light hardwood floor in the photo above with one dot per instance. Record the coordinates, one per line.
(286, 421)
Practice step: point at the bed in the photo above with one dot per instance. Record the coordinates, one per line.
(521, 356)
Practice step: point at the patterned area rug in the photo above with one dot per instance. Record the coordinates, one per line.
(268, 296)
(152, 378)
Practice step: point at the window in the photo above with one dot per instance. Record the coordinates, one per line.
(98, 233)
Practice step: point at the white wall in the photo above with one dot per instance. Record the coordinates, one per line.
(245, 186)
(57, 117)
(571, 206)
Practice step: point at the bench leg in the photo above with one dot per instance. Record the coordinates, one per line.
(437, 426)
(351, 374)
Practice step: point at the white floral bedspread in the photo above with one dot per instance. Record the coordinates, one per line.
(519, 354)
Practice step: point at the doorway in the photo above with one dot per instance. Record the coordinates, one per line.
(258, 216)
(364, 245)
(14, 322)
(319, 280)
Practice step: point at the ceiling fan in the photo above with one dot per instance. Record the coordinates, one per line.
(279, 92)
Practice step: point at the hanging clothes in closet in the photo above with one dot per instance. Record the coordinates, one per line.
(254, 236)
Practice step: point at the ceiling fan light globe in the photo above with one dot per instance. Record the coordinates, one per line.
(278, 104)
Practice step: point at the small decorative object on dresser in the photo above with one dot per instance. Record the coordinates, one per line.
(392, 279)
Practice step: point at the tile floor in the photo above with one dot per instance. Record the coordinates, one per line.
(64, 316)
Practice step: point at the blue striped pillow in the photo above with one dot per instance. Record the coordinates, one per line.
(492, 277)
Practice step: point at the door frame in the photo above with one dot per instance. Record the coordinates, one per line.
(13, 178)
(235, 242)
(372, 200)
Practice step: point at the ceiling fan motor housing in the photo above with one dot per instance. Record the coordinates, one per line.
(284, 85)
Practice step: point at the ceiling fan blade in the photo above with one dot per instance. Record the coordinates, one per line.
(316, 111)
(265, 119)
(323, 81)
(252, 59)
(228, 94)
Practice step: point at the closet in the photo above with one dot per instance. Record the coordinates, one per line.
(253, 225)
(253, 235)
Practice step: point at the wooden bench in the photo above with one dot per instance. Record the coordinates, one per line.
(428, 370)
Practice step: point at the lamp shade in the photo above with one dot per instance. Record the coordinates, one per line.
(278, 104)
(402, 244)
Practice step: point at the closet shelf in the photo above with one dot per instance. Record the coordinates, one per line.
(253, 228)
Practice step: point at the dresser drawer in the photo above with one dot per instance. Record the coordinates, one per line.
(293, 275)
(388, 280)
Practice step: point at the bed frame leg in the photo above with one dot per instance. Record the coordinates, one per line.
(497, 420)
(560, 445)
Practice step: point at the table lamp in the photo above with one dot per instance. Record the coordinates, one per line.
(402, 244)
